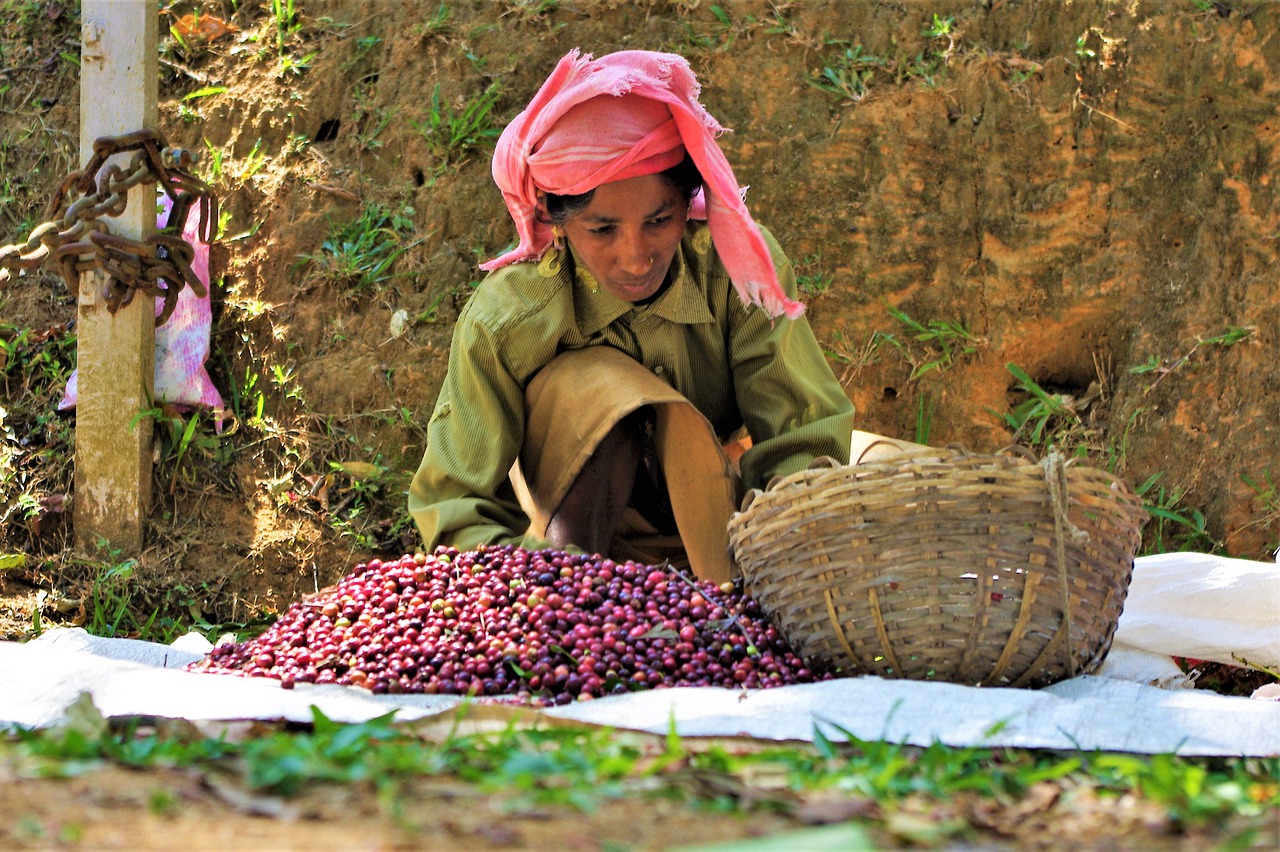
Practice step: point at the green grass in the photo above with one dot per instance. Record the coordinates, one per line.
(530, 11)
(717, 34)
(287, 21)
(109, 609)
(1044, 420)
(356, 493)
(924, 418)
(113, 596)
(26, 155)
(282, 33)
(204, 92)
(113, 604)
(580, 768)
(253, 162)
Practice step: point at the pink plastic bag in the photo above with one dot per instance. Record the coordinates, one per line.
(182, 343)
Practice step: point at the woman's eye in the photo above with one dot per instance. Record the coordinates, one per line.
(601, 231)
(659, 222)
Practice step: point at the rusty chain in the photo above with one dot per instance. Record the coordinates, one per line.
(78, 239)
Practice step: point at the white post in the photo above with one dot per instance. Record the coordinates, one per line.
(115, 352)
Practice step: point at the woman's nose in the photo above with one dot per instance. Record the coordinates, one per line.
(636, 257)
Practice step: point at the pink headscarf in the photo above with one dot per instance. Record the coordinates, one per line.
(628, 114)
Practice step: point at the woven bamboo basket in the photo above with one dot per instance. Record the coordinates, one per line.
(938, 564)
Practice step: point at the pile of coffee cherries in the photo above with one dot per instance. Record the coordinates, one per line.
(540, 626)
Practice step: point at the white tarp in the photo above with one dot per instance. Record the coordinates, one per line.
(40, 679)
(1205, 608)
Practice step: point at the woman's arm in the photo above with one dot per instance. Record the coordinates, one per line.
(461, 494)
(791, 402)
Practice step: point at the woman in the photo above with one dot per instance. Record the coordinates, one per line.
(641, 322)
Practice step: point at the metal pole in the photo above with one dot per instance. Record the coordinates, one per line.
(115, 352)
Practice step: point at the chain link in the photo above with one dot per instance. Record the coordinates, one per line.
(78, 241)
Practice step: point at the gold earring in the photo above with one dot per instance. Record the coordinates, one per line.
(557, 238)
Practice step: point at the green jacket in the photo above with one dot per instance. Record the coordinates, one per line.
(736, 365)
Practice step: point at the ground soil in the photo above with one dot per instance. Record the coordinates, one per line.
(1088, 188)
(120, 809)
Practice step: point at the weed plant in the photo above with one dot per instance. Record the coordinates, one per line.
(719, 34)
(812, 279)
(1173, 527)
(851, 73)
(452, 135)
(287, 23)
(36, 442)
(439, 24)
(27, 162)
(1156, 366)
(531, 11)
(355, 490)
(188, 445)
(727, 24)
(1043, 419)
(924, 418)
(357, 256)
(253, 162)
(930, 348)
(109, 597)
(1267, 498)
(942, 343)
(853, 359)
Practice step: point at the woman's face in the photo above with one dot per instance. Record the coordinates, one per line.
(628, 234)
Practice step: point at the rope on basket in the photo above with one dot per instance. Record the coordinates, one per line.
(1055, 475)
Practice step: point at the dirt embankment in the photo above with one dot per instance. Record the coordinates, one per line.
(1085, 190)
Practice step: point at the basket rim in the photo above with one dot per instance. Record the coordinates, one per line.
(951, 459)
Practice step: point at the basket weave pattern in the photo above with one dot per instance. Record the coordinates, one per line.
(944, 565)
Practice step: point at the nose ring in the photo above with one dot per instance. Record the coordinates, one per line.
(651, 259)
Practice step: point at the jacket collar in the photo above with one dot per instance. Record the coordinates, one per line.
(682, 302)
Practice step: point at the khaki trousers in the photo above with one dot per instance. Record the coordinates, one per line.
(573, 402)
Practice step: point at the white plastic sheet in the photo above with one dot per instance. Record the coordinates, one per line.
(1205, 608)
(41, 679)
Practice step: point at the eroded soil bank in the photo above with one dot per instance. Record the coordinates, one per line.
(1085, 191)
